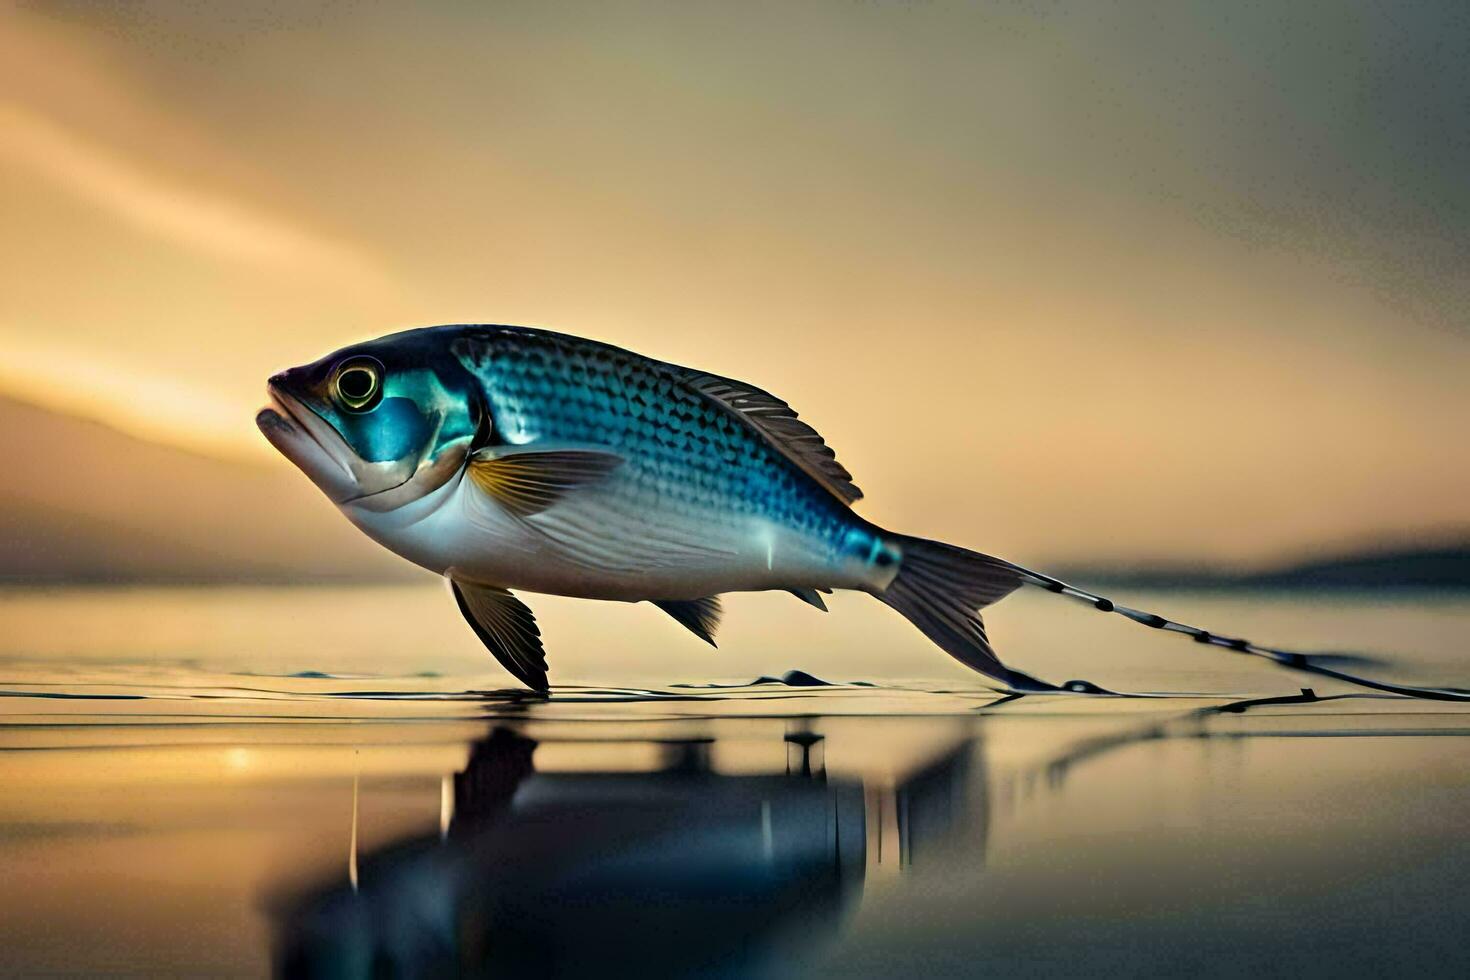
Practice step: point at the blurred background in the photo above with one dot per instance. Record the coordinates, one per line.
(1099, 286)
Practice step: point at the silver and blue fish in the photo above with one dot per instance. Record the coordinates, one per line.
(510, 458)
(507, 458)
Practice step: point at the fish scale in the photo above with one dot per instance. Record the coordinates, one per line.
(682, 450)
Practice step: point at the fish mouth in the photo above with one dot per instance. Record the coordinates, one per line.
(319, 451)
(307, 440)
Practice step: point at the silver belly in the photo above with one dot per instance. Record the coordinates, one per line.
(595, 544)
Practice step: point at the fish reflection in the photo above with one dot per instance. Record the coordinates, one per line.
(683, 870)
(679, 871)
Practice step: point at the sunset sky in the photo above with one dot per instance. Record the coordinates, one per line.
(1186, 281)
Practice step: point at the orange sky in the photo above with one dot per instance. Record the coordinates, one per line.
(1058, 285)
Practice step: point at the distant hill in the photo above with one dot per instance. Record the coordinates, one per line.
(83, 502)
(1443, 567)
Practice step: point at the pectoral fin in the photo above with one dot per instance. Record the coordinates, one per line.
(700, 616)
(526, 481)
(507, 628)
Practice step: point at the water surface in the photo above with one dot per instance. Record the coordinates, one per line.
(232, 782)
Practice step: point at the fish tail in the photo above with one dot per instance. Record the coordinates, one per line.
(941, 589)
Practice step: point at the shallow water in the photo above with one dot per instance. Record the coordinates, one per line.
(235, 782)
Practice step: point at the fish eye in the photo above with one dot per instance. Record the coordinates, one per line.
(357, 384)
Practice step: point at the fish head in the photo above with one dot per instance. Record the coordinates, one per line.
(376, 425)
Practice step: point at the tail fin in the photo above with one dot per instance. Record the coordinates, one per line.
(941, 590)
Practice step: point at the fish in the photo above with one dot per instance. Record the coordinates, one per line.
(514, 458)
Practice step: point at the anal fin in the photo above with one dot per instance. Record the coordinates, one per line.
(700, 616)
(811, 597)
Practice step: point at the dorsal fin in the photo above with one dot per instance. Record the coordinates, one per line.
(778, 422)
